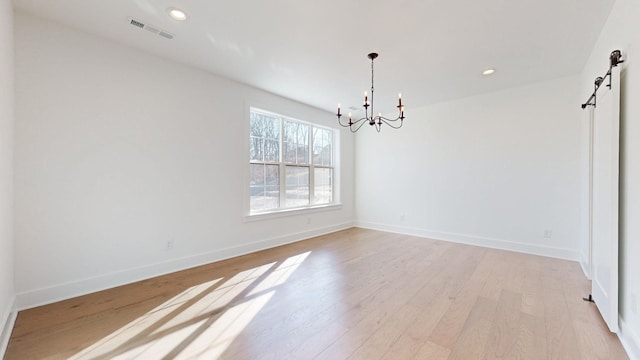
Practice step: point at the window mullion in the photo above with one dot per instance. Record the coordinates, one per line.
(312, 175)
(280, 155)
(312, 185)
(283, 185)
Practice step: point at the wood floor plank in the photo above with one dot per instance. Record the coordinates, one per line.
(474, 338)
(530, 343)
(410, 342)
(560, 335)
(374, 315)
(358, 306)
(500, 271)
(358, 294)
(506, 323)
(532, 293)
(596, 339)
(431, 351)
(452, 322)
(431, 303)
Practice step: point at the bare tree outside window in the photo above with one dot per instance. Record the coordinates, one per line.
(291, 163)
(264, 143)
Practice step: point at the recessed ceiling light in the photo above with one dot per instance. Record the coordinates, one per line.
(488, 71)
(177, 14)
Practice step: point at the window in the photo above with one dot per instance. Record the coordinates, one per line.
(291, 163)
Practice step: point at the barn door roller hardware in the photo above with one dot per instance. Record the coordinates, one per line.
(614, 59)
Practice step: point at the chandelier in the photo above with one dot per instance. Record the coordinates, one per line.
(369, 117)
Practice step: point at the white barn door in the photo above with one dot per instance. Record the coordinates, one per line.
(604, 200)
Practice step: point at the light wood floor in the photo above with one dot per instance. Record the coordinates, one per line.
(355, 294)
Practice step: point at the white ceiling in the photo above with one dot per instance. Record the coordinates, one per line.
(316, 51)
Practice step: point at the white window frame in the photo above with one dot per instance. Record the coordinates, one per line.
(282, 210)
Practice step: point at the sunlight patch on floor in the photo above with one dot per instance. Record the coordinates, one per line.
(281, 274)
(163, 346)
(120, 337)
(215, 300)
(200, 322)
(216, 338)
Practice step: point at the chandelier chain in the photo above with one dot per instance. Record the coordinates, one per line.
(371, 89)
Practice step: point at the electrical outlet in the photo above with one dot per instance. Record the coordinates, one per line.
(548, 233)
(402, 217)
(308, 220)
(170, 244)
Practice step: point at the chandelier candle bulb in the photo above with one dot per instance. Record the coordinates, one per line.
(339, 110)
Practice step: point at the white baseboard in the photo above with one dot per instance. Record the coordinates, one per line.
(585, 267)
(48, 295)
(8, 321)
(630, 340)
(501, 244)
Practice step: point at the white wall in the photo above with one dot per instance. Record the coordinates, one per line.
(7, 292)
(119, 151)
(622, 31)
(496, 170)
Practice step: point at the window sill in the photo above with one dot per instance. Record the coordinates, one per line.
(291, 212)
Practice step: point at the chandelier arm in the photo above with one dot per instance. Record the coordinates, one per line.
(359, 120)
(343, 125)
(387, 119)
(356, 122)
(352, 122)
(391, 123)
(359, 123)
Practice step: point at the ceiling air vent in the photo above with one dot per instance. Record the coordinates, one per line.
(136, 23)
(151, 29)
(165, 35)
